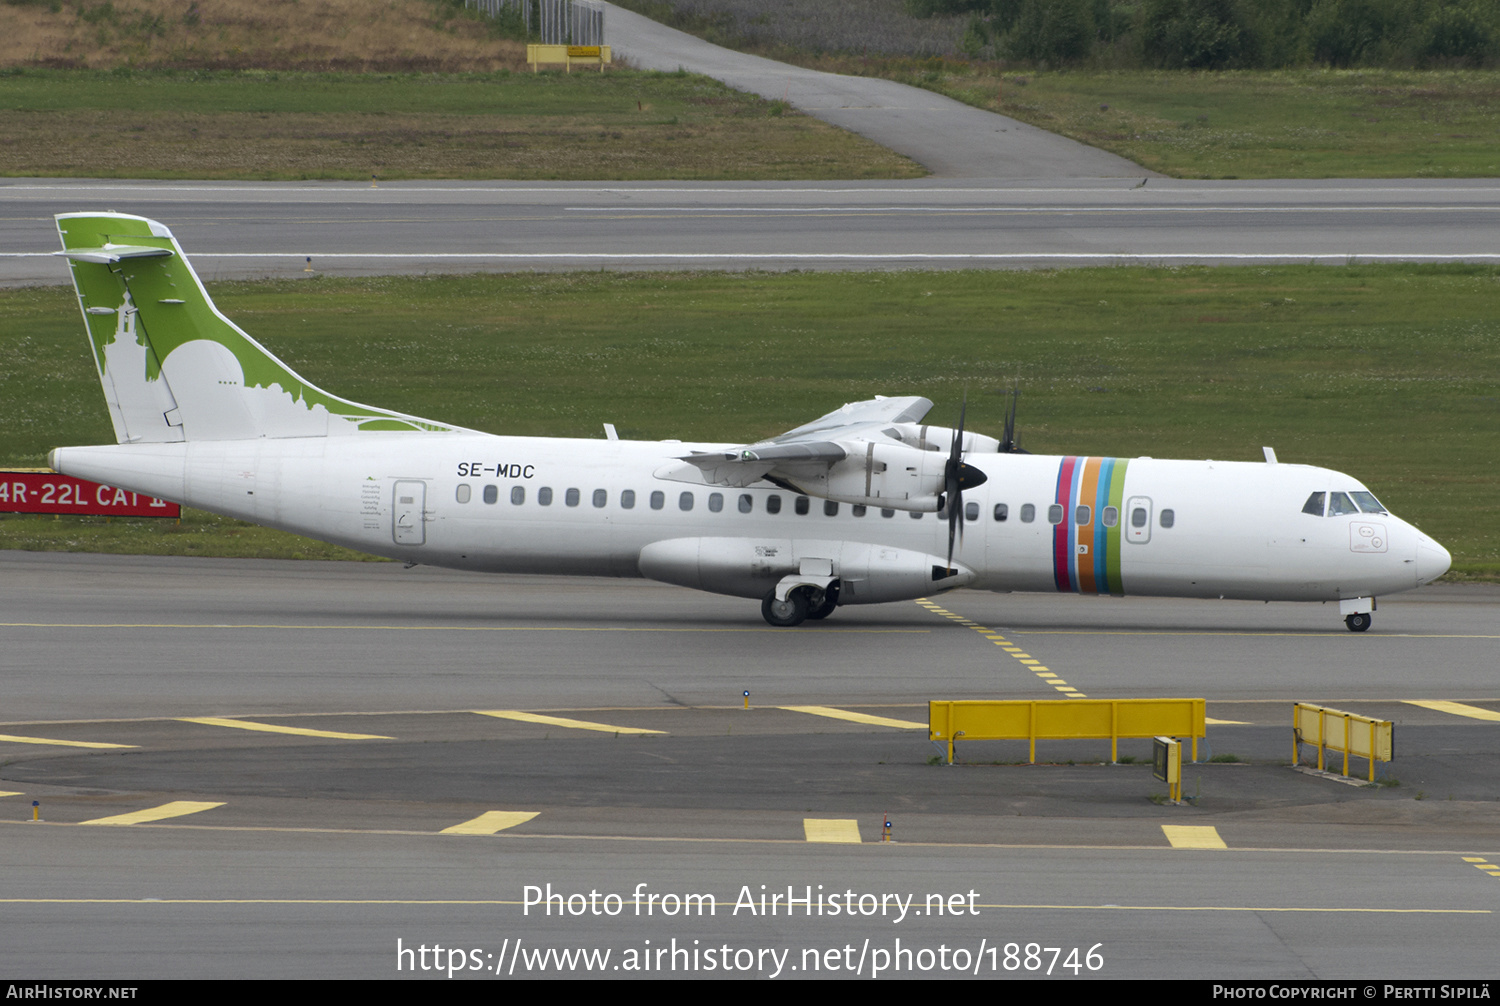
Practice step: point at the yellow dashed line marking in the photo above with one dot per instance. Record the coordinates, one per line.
(844, 831)
(1456, 708)
(177, 808)
(562, 721)
(4, 793)
(490, 822)
(12, 739)
(272, 728)
(1209, 720)
(1188, 837)
(1026, 659)
(844, 714)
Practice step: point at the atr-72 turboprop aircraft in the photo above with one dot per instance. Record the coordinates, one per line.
(858, 507)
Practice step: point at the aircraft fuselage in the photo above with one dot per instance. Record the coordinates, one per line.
(605, 508)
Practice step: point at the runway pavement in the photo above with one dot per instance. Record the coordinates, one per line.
(317, 760)
(241, 229)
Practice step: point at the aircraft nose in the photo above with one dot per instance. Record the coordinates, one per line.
(1433, 560)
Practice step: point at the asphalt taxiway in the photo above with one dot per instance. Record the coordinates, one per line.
(307, 762)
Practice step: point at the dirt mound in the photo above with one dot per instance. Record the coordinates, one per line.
(357, 35)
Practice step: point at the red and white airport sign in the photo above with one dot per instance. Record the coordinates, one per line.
(48, 492)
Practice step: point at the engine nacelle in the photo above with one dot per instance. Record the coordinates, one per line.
(753, 567)
(893, 476)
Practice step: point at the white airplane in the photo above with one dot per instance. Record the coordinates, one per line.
(858, 507)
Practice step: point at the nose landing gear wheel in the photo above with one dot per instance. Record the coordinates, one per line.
(784, 614)
(1358, 622)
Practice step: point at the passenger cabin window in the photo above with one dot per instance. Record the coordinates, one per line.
(517, 495)
(887, 513)
(544, 496)
(773, 503)
(1081, 514)
(914, 514)
(601, 497)
(1055, 514)
(715, 502)
(801, 506)
(830, 508)
(1111, 516)
(627, 499)
(1138, 517)
(462, 495)
(1340, 504)
(1028, 513)
(491, 493)
(1314, 505)
(971, 511)
(1168, 518)
(658, 500)
(1368, 503)
(1001, 511)
(685, 501)
(858, 510)
(747, 502)
(571, 497)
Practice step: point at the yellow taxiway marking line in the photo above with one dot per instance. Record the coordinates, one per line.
(836, 830)
(1210, 721)
(272, 728)
(1191, 837)
(1026, 659)
(490, 822)
(177, 808)
(549, 837)
(13, 739)
(844, 714)
(1309, 634)
(8, 793)
(562, 721)
(1456, 708)
(424, 628)
(729, 900)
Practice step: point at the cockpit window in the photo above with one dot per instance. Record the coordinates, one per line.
(1340, 504)
(1368, 503)
(1314, 504)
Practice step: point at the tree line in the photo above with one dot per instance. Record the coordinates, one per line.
(1228, 34)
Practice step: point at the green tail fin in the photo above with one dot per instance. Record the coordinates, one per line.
(173, 367)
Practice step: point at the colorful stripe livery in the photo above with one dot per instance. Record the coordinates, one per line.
(1086, 542)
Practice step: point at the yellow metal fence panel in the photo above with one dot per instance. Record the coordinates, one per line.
(1064, 719)
(1348, 734)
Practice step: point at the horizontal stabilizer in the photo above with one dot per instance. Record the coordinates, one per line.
(114, 253)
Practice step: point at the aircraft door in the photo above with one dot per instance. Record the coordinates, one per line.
(1138, 519)
(409, 503)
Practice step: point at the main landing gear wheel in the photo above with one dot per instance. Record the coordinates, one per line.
(1358, 622)
(830, 601)
(785, 614)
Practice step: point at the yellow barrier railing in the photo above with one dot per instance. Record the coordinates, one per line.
(568, 55)
(1065, 719)
(1350, 733)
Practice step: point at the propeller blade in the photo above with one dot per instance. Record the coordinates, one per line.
(1008, 443)
(953, 483)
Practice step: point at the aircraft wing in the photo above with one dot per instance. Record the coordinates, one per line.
(803, 457)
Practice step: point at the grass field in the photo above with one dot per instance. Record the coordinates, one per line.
(1308, 123)
(1391, 373)
(295, 125)
(1264, 124)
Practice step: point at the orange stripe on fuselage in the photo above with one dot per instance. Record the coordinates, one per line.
(1083, 536)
